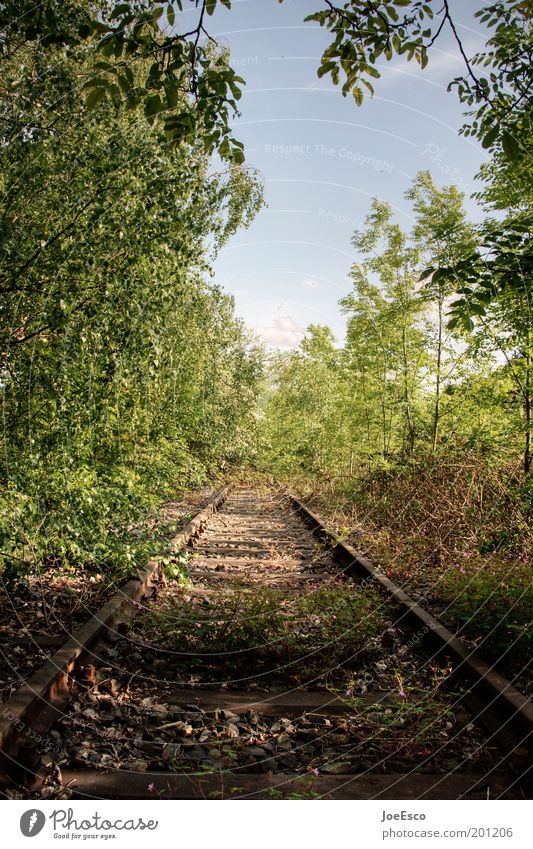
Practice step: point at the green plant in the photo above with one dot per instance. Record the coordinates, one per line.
(176, 568)
(491, 604)
(269, 629)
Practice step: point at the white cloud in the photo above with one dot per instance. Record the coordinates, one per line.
(309, 283)
(240, 292)
(283, 332)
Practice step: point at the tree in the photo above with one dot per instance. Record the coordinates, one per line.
(396, 268)
(124, 372)
(442, 233)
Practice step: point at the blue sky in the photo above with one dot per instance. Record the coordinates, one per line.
(323, 159)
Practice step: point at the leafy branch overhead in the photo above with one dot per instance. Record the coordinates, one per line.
(181, 79)
(188, 81)
(496, 85)
(185, 80)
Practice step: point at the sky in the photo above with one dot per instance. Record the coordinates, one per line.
(323, 159)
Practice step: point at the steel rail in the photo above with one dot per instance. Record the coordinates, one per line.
(494, 701)
(27, 716)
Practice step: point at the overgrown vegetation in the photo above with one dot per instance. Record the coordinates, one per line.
(278, 633)
(124, 373)
(454, 528)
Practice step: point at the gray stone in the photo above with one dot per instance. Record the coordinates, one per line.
(253, 752)
(337, 768)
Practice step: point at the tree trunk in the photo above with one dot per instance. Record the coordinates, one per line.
(436, 412)
(407, 400)
(527, 406)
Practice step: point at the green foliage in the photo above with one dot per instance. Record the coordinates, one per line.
(124, 372)
(301, 419)
(502, 267)
(492, 605)
(498, 81)
(412, 719)
(495, 302)
(272, 630)
(187, 86)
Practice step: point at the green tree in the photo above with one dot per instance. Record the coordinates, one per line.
(396, 267)
(124, 371)
(442, 233)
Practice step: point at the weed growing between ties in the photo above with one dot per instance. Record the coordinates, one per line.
(272, 632)
(415, 720)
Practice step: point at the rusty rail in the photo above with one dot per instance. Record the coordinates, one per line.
(29, 714)
(32, 711)
(496, 704)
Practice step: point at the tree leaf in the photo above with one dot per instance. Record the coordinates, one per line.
(224, 149)
(238, 156)
(510, 146)
(94, 97)
(119, 10)
(326, 68)
(490, 137)
(358, 95)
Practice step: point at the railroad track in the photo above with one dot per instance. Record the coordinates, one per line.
(283, 666)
